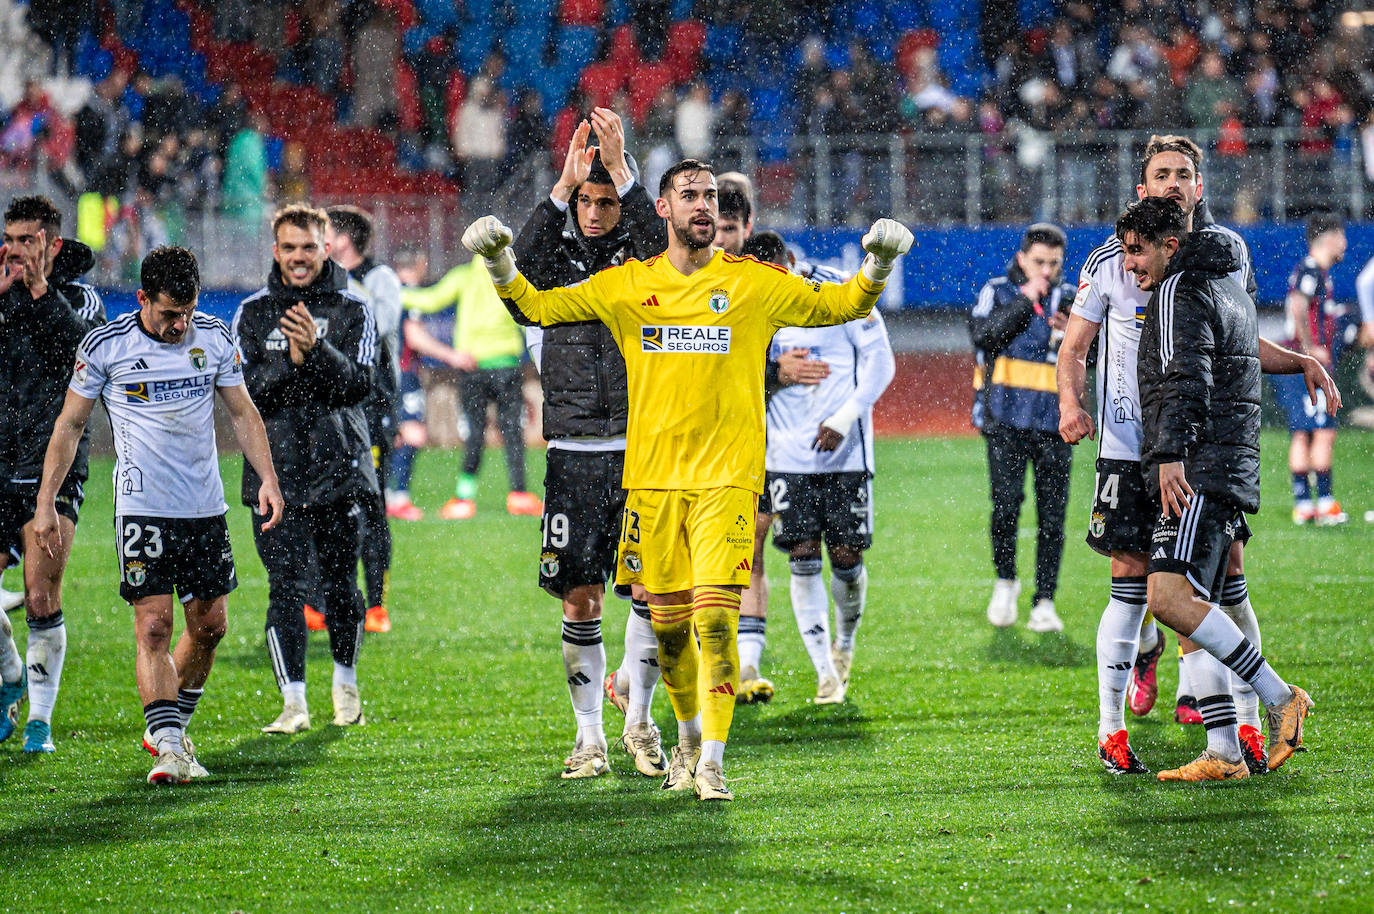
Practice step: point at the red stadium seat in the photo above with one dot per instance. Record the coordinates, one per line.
(581, 12)
(408, 105)
(454, 95)
(683, 49)
(624, 49)
(600, 82)
(648, 80)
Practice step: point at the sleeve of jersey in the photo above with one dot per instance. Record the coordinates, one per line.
(1364, 292)
(1088, 303)
(344, 378)
(585, 301)
(229, 370)
(429, 299)
(384, 287)
(798, 302)
(877, 365)
(88, 374)
(1186, 347)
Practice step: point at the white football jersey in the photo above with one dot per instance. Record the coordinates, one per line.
(861, 367)
(161, 401)
(1108, 296)
(381, 290)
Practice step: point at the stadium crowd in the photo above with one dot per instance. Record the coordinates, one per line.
(473, 100)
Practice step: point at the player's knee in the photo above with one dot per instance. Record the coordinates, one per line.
(805, 565)
(583, 604)
(845, 558)
(40, 600)
(209, 629)
(154, 631)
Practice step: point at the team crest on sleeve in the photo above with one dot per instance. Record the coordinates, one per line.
(719, 301)
(1085, 288)
(198, 359)
(82, 371)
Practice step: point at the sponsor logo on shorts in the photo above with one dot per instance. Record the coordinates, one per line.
(198, 360)
(1098, 524)
(719, 301)
(685, 338)
(548, 564)
(632, 563)
(135, 573)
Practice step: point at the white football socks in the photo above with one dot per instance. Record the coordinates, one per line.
(752, 639)
(811, 606)
(640, 665)
(345, 675)
(1235, 602)
(584, 664)
(849, 587)
(11, 664)
(1223, 639)
(293, 693)
(1117, 638)
(713, 750)
(1212, 680)
(47, 649)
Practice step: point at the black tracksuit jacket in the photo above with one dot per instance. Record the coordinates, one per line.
(1199, 375)
(313, 411)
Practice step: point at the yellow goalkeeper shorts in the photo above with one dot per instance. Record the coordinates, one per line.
(677, 539)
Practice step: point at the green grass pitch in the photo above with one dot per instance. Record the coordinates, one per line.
(960, 775)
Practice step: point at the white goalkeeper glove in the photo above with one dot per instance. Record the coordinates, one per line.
(490, 239)
(887, 240)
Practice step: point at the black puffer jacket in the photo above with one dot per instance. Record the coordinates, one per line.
(313, 412)
(1199, 375)
(38, 344)
(583, 373)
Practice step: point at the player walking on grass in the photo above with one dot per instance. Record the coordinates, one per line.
(820, 468)
(308, 348)
(44, 313)
(157, 370)
(597, 215)
(693, 325)
(1313, 321)
(1199, 378)
(1110, 306)
(350, 245)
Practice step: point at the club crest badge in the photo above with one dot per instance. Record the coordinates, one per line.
(719, 301)
(198, 360)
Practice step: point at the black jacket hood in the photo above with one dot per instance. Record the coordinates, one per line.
(333, 278)
(73, 261)
(1205, 252)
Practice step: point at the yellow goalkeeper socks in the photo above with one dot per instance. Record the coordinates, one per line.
(678, 656)
(717, 624)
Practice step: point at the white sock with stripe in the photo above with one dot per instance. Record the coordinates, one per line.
(811, 606)
(1224, 640)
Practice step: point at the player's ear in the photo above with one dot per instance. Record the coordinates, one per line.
(661, 207)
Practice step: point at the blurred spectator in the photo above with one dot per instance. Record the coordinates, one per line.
(293, 182)
(1211, 95)
(528, 131)
(651, 18)
(375, 52)
(245, 172)
(137, 229)
(813, 73)
(479, 135)
(695, 123)
(100, 122)
(60, 23)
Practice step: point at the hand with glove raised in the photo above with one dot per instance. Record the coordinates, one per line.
(489, 238)
(887, 240)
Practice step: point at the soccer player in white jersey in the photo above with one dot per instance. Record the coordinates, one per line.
(820, 477)
(1110, 306)
(157, 370)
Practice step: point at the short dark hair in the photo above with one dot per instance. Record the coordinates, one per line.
(598, 173)
(734, 204)
(1171, 143)
(686, 166)
(353, 222)
(1153, 219)
(1321, 222)
(766, 246)
(170, 271)
(1046, 233)
(35, 208)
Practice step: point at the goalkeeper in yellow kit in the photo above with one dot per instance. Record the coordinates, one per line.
(694, 326)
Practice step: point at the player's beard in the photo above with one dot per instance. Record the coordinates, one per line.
(684, 234)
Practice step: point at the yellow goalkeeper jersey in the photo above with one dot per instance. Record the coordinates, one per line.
(695, 348)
